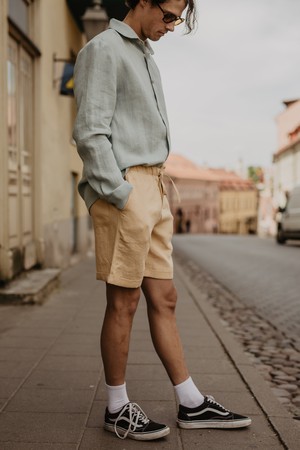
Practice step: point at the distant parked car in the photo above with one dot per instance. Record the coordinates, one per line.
(288, 226)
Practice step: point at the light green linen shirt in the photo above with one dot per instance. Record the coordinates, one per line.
(122, 118)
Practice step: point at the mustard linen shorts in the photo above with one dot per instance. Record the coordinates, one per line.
(135, 242)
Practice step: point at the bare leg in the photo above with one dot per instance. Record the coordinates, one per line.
(121, 307)
(161, 299)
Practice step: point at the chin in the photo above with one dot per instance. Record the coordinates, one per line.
(155, 37)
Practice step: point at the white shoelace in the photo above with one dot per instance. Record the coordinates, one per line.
(136, 415)
(211, 399)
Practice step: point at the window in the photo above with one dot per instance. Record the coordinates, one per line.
(19, 13)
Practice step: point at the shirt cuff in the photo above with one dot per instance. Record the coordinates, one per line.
(119, 196)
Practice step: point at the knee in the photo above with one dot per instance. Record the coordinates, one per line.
(125, 303)
(171, 298)
(166, 303)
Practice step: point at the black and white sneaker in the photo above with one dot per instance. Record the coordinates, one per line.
(210, 415)
(132, 422)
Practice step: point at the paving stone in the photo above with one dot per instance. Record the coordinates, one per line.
(59, 379)
(97, 438)
(37, 427)
(46, 323)
(277, 373)
(211, 384)
(296, 400)
(84, 329)
(96, 416)
(286, 378)
(284, 400)
(25, 342)
(291, 370)
(2, 402)
(151, 390)
(288, 351)
(20, 354)
(75, 350)
(292, 430)
(280, 392)
(8, 386)
(201, 366)
(196, 351)
(80, 338)
(34, 332)
(144, 345)
(37, 446)
(143, 358)
(279, 361)
(146, 372)
(289, 387)
(76, 363)
(51, 401)
(192, 334)
(14, 369)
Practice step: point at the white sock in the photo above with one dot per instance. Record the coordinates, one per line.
(188, 394)
(117, 397)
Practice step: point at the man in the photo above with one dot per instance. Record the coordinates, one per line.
(122, 136)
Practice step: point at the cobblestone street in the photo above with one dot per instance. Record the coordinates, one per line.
(274, 352)
(263, 275)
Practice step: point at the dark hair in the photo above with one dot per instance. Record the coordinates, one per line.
(190, 19)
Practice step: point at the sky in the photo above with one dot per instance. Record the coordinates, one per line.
(225, 84)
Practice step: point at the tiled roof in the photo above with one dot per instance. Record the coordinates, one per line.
(231, 180)
(178, 166)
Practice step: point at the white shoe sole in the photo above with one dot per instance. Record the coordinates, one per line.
(219, 424)
(139, 436)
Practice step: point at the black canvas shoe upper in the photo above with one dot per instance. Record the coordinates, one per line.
(132, 419)
(209, 410)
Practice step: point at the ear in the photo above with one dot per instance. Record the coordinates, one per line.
(143, 3)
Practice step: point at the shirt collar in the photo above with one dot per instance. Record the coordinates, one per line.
(126, 31)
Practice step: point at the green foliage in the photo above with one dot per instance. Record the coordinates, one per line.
(256, 174)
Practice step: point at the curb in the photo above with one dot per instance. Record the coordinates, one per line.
(32, 287)
(279, 418)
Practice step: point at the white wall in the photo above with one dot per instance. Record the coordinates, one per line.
(287, 121)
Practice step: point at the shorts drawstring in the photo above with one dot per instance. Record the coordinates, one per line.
(161, 174)
(158, 171)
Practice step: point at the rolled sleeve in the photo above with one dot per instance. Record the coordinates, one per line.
(95, 92)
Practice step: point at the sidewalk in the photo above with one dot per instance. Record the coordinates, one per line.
(52, 388)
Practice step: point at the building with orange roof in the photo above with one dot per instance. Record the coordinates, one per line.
(238, 200)
(213, 200)
(198, 209)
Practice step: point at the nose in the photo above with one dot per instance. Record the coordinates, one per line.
(170, 26)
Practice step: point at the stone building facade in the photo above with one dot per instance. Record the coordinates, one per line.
(43, 221)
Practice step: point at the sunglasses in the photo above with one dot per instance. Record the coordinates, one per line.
(170, 17)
